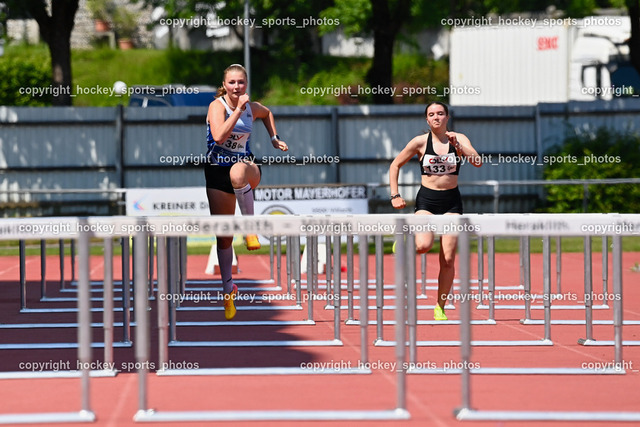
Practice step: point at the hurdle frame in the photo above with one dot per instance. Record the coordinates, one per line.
(293, 272)
(85, 414)
(144, 414)
(466, 413)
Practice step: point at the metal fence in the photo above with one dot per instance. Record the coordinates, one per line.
(111, 148)
(112, 201)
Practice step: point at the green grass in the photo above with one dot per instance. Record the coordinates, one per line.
(101, 68)
(502, 245)
(273, 82)
(568, 244)
(512, 245)
(422, 79)
(333, 79)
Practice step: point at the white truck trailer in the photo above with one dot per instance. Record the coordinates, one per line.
(527, 61)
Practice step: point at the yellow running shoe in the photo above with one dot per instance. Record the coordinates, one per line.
(252, 242)
(229, 304)
(438, 313)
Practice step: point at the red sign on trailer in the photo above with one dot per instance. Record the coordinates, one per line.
(548, 43)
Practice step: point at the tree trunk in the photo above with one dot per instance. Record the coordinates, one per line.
(380, 75)
(55, 30)
(60, 49)
(634, 40)
(386, 25)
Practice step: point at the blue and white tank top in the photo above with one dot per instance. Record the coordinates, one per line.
(236, 147)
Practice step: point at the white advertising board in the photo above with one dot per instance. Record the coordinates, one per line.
(183, 201)
(303, 200)
(325, 200)
(192, 201)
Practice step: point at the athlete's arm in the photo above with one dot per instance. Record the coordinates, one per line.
(464, 148)
(411, 149)
(263, 113)
(221, 128)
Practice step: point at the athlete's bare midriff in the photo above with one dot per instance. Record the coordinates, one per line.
(440, 182)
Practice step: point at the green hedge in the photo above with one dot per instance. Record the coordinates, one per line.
(605, 154)
(26, 81)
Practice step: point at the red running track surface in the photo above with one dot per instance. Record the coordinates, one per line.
(431, 399)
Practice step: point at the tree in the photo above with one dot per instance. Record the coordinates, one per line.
(387, 18)
(55, 30)
(288, 27)
(174, 9)
(633, 6)
(382, 18)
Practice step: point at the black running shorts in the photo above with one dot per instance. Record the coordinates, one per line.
(218, 177)
(439, 202)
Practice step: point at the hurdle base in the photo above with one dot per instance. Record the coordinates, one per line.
(98, 373)
(523, 343)
(425, 322)
(578, 322)
(475, 415)
(82, 416)
(605, 343)
(518, 371)
(272, 415)
(293, 370)
(286, 343)
(143, 414)
(53, 345)
(586, 341)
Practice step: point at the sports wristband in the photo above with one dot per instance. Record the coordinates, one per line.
(275, 137)
(395, 196)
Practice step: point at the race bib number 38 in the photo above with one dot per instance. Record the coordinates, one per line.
(236, 143)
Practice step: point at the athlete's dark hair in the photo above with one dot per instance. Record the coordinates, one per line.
(446, 109)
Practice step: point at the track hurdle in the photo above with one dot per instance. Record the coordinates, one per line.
(294, 279)
(412, 306)
(588, 305)
(176, 275)
(481, 221)
(58, 227)
(572, 225)
(525, 278)
(14, 231)
(285, 226)
(63, 226)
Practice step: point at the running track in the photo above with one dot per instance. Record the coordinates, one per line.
(431, 399)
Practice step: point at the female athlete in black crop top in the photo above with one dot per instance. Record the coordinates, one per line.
(440, 153)
(439, 164)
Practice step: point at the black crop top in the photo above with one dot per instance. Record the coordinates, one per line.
(436, 164)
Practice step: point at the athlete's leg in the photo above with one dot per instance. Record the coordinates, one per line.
(221, 203)
(424, 241)
(448, 244)
(245, 176)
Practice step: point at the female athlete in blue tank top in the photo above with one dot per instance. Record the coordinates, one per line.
(231, 174)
